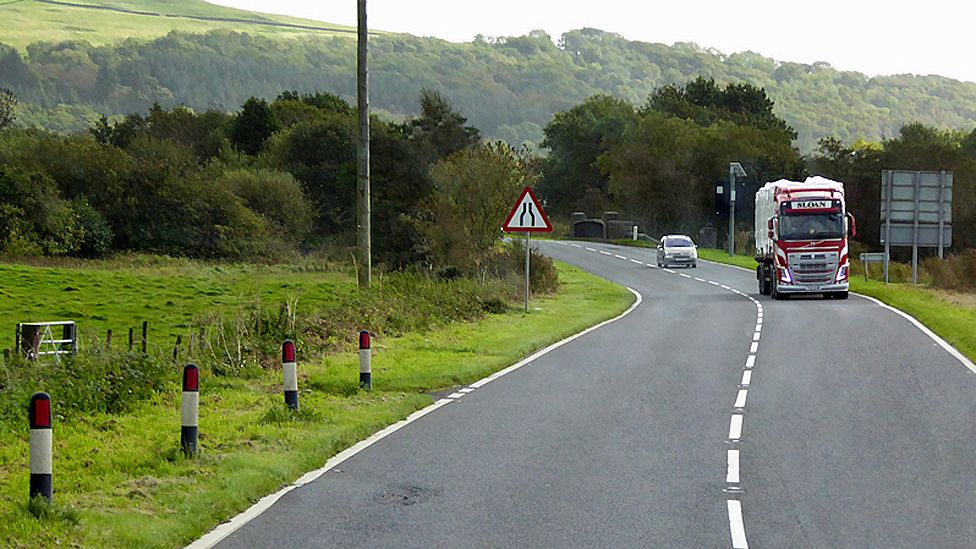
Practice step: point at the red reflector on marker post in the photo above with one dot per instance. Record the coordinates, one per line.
(288, 351)
(40, 411)
(364, 339)
(191, 378)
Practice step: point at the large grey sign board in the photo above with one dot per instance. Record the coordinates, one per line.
(916, 210)
(902, 234)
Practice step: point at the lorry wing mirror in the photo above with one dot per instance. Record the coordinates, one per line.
(771, 225)
(851, 226)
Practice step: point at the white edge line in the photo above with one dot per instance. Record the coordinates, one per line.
(224, 529)
(935, 337)
(736, 526)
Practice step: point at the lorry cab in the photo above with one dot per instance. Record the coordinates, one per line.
(801, 238)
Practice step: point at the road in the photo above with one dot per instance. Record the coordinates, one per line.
(709, 416)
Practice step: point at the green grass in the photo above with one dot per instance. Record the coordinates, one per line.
(169, 294)
(27, 21)
(121, 482)
(943, 312)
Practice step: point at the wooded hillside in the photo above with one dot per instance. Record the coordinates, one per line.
(508, 87)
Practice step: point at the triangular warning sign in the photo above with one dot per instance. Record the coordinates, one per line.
(527, 216)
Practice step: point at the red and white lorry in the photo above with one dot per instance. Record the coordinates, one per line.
(801, 238)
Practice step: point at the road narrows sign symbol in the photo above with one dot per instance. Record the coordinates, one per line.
(527, 216)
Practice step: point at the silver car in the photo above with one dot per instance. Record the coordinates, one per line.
(677, 249)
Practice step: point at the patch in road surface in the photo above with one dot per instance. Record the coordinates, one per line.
(404, 495)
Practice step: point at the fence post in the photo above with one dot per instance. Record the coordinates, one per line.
(289, 372)
(131, 338)
(108, 340)
(365, 361)
(145, 335)
(176, 349)
(41, 474)
(190, 410)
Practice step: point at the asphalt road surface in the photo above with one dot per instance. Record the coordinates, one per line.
(709, 416)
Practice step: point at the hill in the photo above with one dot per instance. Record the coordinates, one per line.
(509, 87)
(113, 21)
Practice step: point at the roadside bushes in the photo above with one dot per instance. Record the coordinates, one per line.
(89, 382)
(242, 344)
(956, 272)
(75, 195)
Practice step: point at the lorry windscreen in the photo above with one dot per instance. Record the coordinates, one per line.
(811, 226)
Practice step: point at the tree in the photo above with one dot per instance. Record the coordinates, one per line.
(7, 103)
(473, 190)
(253, 126)
(440, 129)
(576, 139)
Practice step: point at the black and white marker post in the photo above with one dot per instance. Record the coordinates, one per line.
(39, 416)
(190, 409)
(365, 365)
(289, 372)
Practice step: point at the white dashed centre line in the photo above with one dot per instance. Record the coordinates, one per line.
(713, 283)
(467, 390)
(455, 395)
(758, 327)
(591, 249)
(637, 261)
(755, 336)
(683, 275)
(724, 287)
(740, 399)
(735, 427)
(751, 361)
(736, 526)
(669, 271)
(746, 378)
(576, 245)
(755, 347)
(604, 252)
(618, 256)
(699, 279)
(732, 472)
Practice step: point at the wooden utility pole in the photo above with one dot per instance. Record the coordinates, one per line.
(362, 190)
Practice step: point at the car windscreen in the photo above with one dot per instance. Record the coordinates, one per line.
(811, 226)
(675, 242)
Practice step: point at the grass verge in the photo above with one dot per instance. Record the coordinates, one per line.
(120, 480)
(951, 315)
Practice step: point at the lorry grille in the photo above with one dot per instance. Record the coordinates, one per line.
(813, 268)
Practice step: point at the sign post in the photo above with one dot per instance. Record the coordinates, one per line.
(527, 216)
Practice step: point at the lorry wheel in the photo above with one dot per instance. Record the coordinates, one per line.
(774, 291)
(765, 283)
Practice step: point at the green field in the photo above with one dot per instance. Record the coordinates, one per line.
(106, 22)
(119, 478)
(169, 294)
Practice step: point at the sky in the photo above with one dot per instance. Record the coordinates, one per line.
(868, 36)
